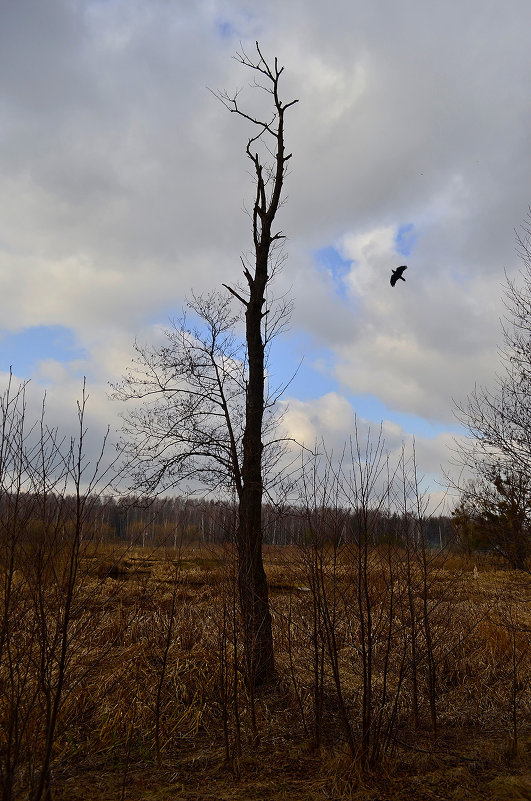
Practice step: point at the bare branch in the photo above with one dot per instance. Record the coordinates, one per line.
(236, 295)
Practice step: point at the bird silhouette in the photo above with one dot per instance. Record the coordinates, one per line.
(398, 274)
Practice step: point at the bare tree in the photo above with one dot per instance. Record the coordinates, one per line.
(499, 420)
(208, 409)
(495, 513)
(188, 427)
(269, 183)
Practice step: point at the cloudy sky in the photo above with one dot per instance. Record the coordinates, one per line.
(123, 184)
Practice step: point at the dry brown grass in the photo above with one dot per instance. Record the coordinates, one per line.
(105, 737)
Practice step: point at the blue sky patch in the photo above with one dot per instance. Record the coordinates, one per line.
(369, 407)
(225, 29)
(25, 349)
(329, 260)
(306, 380)
(405, 239)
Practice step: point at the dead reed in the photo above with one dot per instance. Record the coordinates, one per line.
(153, 685)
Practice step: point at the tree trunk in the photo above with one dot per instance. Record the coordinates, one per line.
(254, 600)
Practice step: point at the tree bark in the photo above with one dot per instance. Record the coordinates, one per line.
(253, 590)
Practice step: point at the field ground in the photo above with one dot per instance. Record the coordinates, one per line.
(105, 742)
(290, 774)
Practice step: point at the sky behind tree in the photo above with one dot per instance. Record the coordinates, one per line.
(124, 186)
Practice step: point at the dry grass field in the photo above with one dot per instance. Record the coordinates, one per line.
(153, 705)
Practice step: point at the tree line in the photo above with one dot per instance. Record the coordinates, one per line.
(184, 520)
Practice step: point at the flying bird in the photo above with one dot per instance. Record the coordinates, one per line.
(398, 274)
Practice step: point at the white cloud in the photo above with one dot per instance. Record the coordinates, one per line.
(330, 426)
(309, 422)
(372, 252)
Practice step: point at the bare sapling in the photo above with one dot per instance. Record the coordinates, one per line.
(49, 520)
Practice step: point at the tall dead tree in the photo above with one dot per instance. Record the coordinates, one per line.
(269, 184)
(207, 413)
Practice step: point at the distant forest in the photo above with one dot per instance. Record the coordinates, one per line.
(174, 521)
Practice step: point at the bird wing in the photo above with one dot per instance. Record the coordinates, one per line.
(401, 269)
(393, 279)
